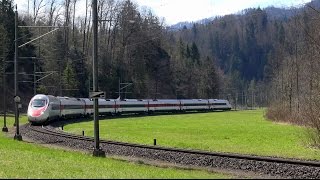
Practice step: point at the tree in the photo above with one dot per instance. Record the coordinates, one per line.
(69, 80)
(53, 54)
(195, 55)
(38, 5)
(3, 52)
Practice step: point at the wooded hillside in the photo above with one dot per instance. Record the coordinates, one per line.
(269, 56)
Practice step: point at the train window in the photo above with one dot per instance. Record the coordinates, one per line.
(220, 104)
(39, 103)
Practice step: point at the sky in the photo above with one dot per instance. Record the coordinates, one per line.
(174, 11)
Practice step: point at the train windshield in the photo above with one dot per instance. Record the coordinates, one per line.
(39, 103)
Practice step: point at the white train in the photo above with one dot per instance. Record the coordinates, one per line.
(43, 108)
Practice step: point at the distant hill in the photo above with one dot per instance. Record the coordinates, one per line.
(245, 44)
(272, 12)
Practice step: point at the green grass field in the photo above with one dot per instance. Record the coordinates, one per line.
(27, 160)
(245, 132)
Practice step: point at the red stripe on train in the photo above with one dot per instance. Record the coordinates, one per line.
(37, 112)
(162, 105)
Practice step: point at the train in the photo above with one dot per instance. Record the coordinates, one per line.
(45, 108)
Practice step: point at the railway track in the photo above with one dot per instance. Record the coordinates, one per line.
(276, 167)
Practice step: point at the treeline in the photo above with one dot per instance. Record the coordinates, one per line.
(271, 58)
(294, 72)
(7, 36)
(134, 47)
(241, 45)
(272, 52)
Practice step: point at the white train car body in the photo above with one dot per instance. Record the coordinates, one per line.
(219, 104)
(194, 104)
(131, 105)
(44, 108)
(54, 108)
(164, 105)
(88, 106)
(71, 107)
(107, 106)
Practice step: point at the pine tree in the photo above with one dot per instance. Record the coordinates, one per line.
(195, 55)
(69, 80)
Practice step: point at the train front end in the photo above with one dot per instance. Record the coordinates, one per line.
(38, 111)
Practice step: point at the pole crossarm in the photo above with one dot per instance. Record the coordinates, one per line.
(126, 86)
(26, 74)
(46, 72)
(38, 37)
(107, 20)
(44, 77)
(123, 92)
(42, 26)
(29, 58)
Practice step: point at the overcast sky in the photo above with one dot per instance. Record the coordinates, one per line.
(175, 11)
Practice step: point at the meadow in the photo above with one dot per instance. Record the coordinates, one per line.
(243, 132)
(28, 160)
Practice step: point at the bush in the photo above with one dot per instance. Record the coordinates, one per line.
(280, 113)
(311, 116)
(308, 115)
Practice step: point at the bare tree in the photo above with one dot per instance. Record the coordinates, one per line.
(73, 19)
(38, 6)
(85, 28)
(52, 10)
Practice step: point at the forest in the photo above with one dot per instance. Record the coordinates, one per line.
(134, 47)
(257, 57)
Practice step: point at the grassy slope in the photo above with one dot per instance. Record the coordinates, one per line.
(244, 132)
(24, 160)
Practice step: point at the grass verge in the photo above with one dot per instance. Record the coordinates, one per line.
(26, 160)
(245, 132)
